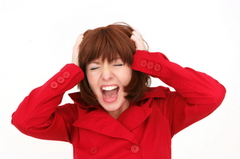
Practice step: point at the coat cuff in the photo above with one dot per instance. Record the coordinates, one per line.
(149, 64)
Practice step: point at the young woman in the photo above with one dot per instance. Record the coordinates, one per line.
(116, 114)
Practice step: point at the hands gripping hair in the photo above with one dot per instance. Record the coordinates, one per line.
(136, 37)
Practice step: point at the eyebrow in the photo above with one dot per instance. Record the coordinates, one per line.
(97, 61)
(118, 58)
(94, 62)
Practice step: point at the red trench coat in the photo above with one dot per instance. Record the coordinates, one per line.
(143, 131)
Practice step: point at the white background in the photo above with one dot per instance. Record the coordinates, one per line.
(36, 39)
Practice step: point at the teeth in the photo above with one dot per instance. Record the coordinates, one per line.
(109, 88)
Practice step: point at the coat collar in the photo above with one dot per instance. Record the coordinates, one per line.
(155, 92)
(101, 122)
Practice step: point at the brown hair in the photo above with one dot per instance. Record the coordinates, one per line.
(108, 43)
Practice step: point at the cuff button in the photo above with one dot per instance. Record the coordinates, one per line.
(150, 65)
(54, 85)
(157, 67)
(60, 80)
(66, 74)
(143, 63)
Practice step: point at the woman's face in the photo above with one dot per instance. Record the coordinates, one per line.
(107, 81)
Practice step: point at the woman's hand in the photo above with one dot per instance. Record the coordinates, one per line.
(76, 48)
(138, 40)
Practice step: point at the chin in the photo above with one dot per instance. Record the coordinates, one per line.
(110, 106)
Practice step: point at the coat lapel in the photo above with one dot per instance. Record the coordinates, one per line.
(101, 122)
(134, 116)
(138, 113)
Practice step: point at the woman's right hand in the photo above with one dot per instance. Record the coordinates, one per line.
(76, 48)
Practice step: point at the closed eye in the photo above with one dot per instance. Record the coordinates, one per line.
(94, 68)
(118, 64)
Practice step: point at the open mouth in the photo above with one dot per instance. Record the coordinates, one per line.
(110, 93)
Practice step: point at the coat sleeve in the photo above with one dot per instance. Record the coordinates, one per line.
(38, 115)
(197, 94)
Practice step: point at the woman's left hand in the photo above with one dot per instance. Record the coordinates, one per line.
(138, 40)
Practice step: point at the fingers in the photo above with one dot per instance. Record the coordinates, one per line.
(76, 48)
(137, 34)
(78, 42)
(138, 40)
(79, 39)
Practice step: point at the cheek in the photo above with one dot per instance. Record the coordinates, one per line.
(126, 76)
(91, 80)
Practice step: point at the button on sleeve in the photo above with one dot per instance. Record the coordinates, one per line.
(143, 63)
(54, 85)
(66, 75)
(60, 80)
(150, 65)
(157, 67)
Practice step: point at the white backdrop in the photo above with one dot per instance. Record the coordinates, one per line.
(36, 39)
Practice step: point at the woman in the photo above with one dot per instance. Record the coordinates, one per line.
(116, 114)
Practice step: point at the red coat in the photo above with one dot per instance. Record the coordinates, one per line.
(144, 130)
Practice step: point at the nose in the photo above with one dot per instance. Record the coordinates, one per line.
(107, 73)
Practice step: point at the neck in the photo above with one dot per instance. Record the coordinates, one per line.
(116, 113)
